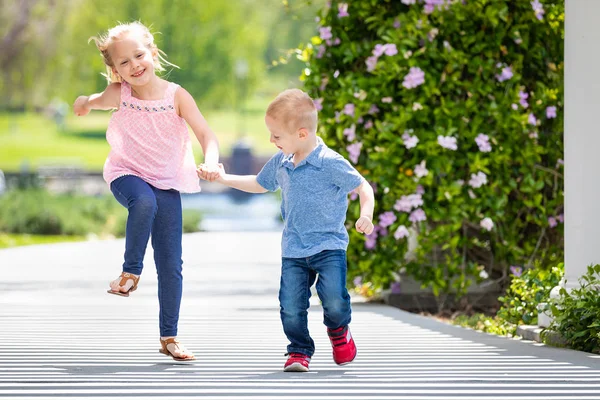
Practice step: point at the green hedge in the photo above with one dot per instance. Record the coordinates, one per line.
(454, 113)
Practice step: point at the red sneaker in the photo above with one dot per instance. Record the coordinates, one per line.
(344, 349)
(296, 362)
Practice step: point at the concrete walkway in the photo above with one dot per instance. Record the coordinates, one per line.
(62, 336)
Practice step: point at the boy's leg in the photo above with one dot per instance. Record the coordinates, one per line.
(294, 295)
(139, 199)
(331, 287)
(166, 241)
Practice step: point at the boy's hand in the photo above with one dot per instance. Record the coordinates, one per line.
(80, 107)
(210, 172)
(364, 225)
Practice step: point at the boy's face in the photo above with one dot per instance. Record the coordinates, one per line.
(281, 136)
(132, 60)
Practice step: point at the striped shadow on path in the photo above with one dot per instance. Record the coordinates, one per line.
(110, 350)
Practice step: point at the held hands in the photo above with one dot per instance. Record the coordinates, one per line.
(210, 172)
(80, 107)
(364, 225)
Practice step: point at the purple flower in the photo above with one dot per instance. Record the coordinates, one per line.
(390, 49)
(373, 110)
(552, 222)
(354, 151)
(350, 133)
(324, 83)
(386, 100)
(414, 78)
(336, 73)
(337, 41)
(320, 51)
(371, 241)
(386, 219)
(410, 141)
(349, 109)
(432, 34)
(430, 5)
(378, 50)
(318, 103)
(478, 180)
(420, 190)
(514, 106)
(396, 23)
(343, 10)
(368, 124)
(417, 215)
(523, 99)
(560, 218)
(409, 2)
(447, 142)
(325, 33)
(516, 270)
(371, 63)
(538, 9)
(403, 205)
(551, 112)
(483, 142)
(420, 170)
(401, 232)
(357, 281)
(353, 196)
(487, 224)
(532, 119)
(395, 287)
(505, 75)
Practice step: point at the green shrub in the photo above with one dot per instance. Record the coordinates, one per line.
(455, 117)
(526, 291)
(575, 313)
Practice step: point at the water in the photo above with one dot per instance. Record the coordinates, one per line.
(223, 212)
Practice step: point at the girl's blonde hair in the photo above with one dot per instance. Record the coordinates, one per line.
(104, 41)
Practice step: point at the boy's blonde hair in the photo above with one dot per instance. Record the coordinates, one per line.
(104, 41)
(296, 109)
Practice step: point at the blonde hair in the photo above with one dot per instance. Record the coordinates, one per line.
(296, 108)
(104, 41)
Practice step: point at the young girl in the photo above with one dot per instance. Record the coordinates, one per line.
(150, 163)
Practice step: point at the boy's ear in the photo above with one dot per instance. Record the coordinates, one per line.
(302, 133)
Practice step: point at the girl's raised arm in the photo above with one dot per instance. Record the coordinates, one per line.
(106, 100)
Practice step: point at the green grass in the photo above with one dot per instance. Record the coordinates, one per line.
(12, 240)
(34, 140)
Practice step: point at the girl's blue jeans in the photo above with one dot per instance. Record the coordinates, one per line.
(297, 277)
(154, 213)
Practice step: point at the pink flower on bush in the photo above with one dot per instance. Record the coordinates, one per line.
(420, 170)
(447, 142)
(386, 100)
(505, 75)
(386, 219)
(551, 112)
(368, 124)
(478, 180)
(325, 33)
(532, 119)
(414, 78)
(417, 216)
(320, 51)
(401, 232)
(516, 270)
(538, 9)
(396, 23)
(354, 151)
(409, 2)
(350, 133)
(560, 218)
(318, 103)
(343, 10)
(373, 110)
(409, 141)
(487, 224)
(523, 99)
(483, 142)
(349, 109)
(371, 63)
(403, 205)
(552, 222)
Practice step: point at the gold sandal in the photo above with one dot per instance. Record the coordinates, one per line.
(164, 343)
(125, 276)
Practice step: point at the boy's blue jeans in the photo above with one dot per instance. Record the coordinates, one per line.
(158, 213)
(297, 276)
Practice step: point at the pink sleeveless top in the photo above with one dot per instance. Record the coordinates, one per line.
(149, 140)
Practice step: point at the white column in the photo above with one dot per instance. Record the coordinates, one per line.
(582, 138)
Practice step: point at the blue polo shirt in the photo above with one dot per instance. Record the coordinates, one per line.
(314, 199)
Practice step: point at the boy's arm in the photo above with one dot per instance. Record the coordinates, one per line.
(189, 111)
(246, 183)
(367, 204)
(107, 100)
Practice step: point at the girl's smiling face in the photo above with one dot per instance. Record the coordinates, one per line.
(132, 60)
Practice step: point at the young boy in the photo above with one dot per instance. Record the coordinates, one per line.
(315, 182)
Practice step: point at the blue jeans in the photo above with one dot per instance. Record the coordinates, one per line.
(297, 276)
(157, 213)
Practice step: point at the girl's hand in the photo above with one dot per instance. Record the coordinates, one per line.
(81, 107)
(210, 172)
(364, 225)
